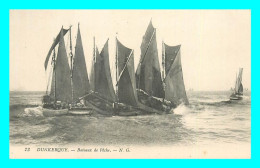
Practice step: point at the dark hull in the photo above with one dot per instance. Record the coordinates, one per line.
(104, 107)
(154, 104)
(99, 104)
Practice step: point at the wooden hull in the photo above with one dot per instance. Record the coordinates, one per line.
(80, 112)
(152, 104)
(128, 113)
(149, 110)
(122, 110)
(80, 109)
(103, 107)
(99, 105)
(52, 112)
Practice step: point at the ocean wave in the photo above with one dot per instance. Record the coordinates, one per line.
(181, 110)
(31, 112)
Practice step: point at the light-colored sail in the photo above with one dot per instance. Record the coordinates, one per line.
(79, 74)
(126, 82)
(61, 80)
(174, 83)
(56, 42)
(103, 80)
(148, 74)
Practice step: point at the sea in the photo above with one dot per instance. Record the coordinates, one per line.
(210, 119)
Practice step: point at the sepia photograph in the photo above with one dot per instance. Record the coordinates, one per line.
(130, 84)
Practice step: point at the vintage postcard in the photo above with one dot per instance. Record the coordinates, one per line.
(129, 84)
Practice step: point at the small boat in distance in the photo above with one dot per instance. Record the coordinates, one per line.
(238, 91)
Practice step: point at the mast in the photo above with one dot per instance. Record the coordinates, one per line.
(116, 70)
(94, 50)
(163, 61)
(93, 69)
(71, 63)
(163, 67)
(94, 62)
(54, 71)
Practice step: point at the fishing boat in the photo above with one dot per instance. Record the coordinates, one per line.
(143, 92)
(127, 100)
(79, 78)
(238, 91)
(102, 96)
(154, 92)
(104, 99)
(68, 82)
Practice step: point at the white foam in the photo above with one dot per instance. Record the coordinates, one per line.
(181, 110)
(35, 111)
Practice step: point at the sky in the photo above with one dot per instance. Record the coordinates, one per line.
(214, 43)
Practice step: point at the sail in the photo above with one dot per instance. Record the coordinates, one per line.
(239, 81)
(126, 82)
(237, 85)
(61, 75)
(148, 74)
(79, 74)
(92, 73)
(53, 84)
(174, 84)
(170, 55)
(92, 76)
(240, 90)
(103, 80)
(56, 41)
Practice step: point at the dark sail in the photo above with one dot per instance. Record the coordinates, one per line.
(148, 74)
(240, 90)
(56, 41)
(79, 74)
(61, 74)
(53, 84)
(95, 70)
(170, 55)
(239, 86)
(103, 80)
(126, 82)
(174, 84)
(92, 73)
